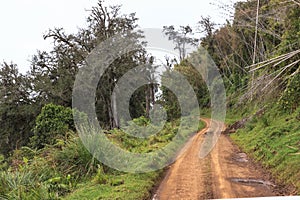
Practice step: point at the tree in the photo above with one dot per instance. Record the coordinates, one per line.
(196, 81)
(181, 38)
(17, 109)
(207, 27)
(54, 72)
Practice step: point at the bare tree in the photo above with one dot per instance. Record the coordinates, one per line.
(181, 38)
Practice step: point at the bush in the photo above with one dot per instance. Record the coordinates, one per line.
(53, 121)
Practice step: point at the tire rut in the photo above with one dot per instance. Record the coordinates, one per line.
(192, 178)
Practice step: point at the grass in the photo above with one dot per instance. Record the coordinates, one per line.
(274, 140)
(66, 170)
(126, 185)
(122, 186)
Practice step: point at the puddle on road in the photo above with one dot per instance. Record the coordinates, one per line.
(241, 157)
(155, 197)
(252, 182)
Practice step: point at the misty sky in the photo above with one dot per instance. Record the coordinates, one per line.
(23, 23)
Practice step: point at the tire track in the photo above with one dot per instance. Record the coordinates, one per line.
(192, 178)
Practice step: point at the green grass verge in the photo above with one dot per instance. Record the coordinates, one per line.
(274, 140)
(122, 186)
(66, 170)
(125, 185)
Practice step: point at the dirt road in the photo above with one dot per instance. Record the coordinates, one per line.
(224, 173)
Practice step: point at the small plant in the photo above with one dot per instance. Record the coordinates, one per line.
(141, 121)
(20, 185)
(101, 177)
(60, 186)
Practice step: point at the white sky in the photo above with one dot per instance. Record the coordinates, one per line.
(23, 22)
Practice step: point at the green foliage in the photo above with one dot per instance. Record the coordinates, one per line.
(265, 121)
(289, 101)
(274, 141)
(58, 159)
(38, 162)
(59, 186)
(196, 81)
(53, 171)
(171, 104)
(101, 177)
(21, 185)
(53, 122)
(141, 121)
(56, 170)
(25, 185)
(118, 185)
(141, 145)
(290, 38)
(17, 109)
(3, 163)
(123, 186)
(73, 158)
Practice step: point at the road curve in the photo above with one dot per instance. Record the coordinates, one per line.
(221, 174)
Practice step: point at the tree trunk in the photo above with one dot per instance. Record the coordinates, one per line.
(148, 96)
(116, 120)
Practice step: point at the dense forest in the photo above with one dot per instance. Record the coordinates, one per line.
(257, 53)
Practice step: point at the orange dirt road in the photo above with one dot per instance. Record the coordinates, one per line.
(224, 173)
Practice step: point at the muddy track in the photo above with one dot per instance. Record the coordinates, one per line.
(224, 173)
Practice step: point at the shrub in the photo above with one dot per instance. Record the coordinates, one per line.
(53, 121)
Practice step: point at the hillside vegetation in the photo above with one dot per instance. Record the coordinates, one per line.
(273, 140)
(258, 57)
